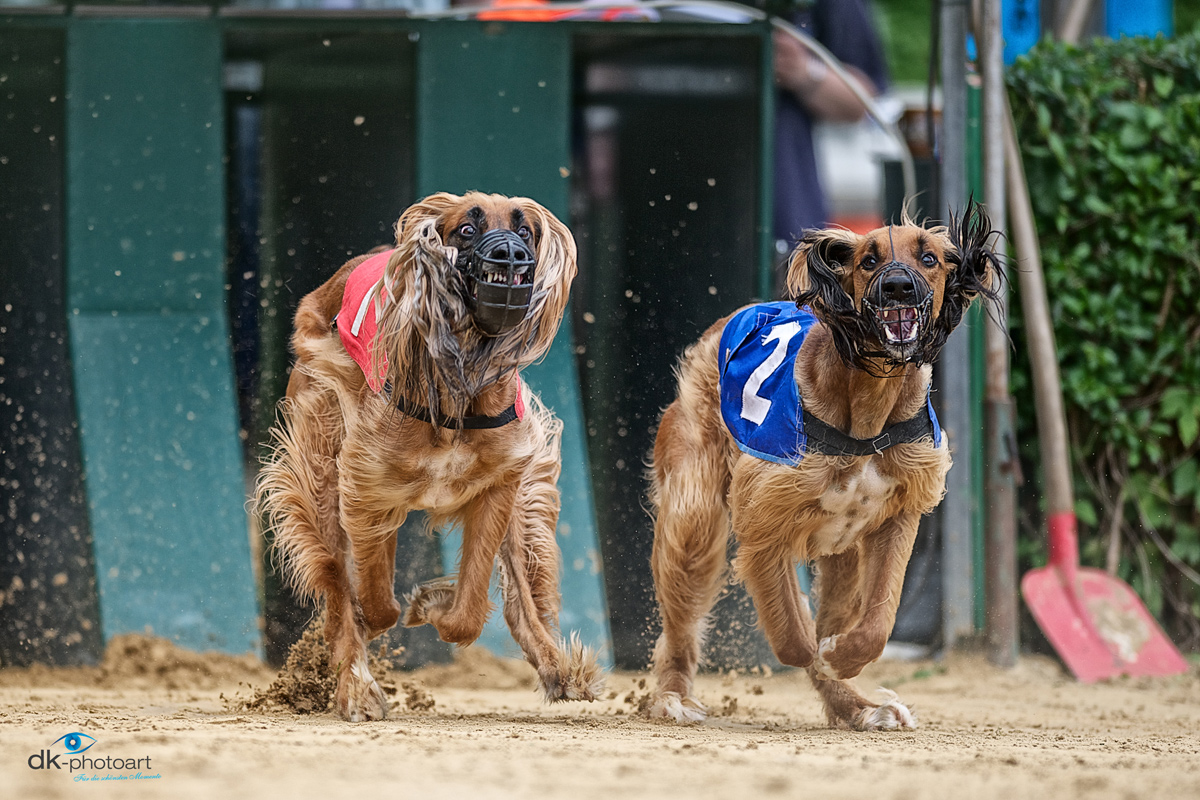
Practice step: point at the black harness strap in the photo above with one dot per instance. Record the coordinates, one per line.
(826, 440)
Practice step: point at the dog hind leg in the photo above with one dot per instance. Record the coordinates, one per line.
(691, 532)
(297, 490)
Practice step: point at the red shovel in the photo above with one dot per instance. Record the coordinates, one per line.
(1096, 623)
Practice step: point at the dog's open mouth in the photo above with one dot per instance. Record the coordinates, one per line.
(900, 325)
(899, 328)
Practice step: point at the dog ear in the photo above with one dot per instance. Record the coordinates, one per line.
(975, 267)
(423, 212)
(556, 267)
(817, 274)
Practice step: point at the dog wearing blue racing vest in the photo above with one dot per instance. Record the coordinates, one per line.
(806, 428)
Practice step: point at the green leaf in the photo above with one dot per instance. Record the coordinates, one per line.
(1086, 512)
(1163, 85)
(1110, 136)
(1175, 402)
(1184, 481)
(1189, 426)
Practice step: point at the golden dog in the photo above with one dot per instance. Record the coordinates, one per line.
(429, 413)
(835, 467)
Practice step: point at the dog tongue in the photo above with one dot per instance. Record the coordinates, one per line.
(900, 323)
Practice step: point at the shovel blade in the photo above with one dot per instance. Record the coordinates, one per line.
(1099, 627)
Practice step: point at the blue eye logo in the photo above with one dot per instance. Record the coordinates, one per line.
(75, 743)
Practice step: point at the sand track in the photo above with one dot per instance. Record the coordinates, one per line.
(476, 729)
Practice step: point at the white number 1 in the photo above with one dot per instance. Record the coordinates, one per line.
(755, 408)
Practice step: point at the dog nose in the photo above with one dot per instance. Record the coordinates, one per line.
(897, 288)
(511, 250)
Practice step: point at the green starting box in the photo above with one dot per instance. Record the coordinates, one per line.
(173, 180)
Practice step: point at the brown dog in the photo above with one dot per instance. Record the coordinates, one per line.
(428, 412)
(825, 449)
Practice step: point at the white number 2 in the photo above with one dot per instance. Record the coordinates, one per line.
(755, 408)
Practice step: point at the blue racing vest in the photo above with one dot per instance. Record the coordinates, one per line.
(760, 403)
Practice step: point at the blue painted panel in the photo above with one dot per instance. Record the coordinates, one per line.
(146, 204)
(164, 479)
(1021, 22)
(1137, 18)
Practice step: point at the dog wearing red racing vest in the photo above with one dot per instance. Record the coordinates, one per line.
(406, 395)
(822, 447)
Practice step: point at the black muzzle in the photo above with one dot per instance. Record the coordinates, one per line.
(898, 302)
(500, 281)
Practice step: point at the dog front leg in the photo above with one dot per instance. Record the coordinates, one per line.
(357, 697)
(883, 558)
(860, 591)
(375, 565)
(459, 608)
(365, 610)
(529, 560)
(839, 586)
(770, 577)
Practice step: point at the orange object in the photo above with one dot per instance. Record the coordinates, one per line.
(857, 223)
(544, 11)
(522, 11)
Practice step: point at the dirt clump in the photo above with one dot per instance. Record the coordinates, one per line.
(307, 681)
(417, 697)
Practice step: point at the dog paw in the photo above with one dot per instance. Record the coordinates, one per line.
(358, 697)
(579, 676)
(892, 715)
(669, 705)
(821, 665)
(428, 602)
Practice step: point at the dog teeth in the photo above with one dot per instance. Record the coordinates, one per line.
(502, 278)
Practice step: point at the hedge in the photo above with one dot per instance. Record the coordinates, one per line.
(1110, 136)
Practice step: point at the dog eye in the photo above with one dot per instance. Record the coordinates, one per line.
(869, 262)
(929, 260)
(524, 232)
(466, 230)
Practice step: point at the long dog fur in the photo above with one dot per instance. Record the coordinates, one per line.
(347, 467)
(854, 517)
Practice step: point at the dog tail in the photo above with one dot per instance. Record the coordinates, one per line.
(296, 497)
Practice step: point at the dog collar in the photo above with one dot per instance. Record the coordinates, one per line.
(476, 422)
